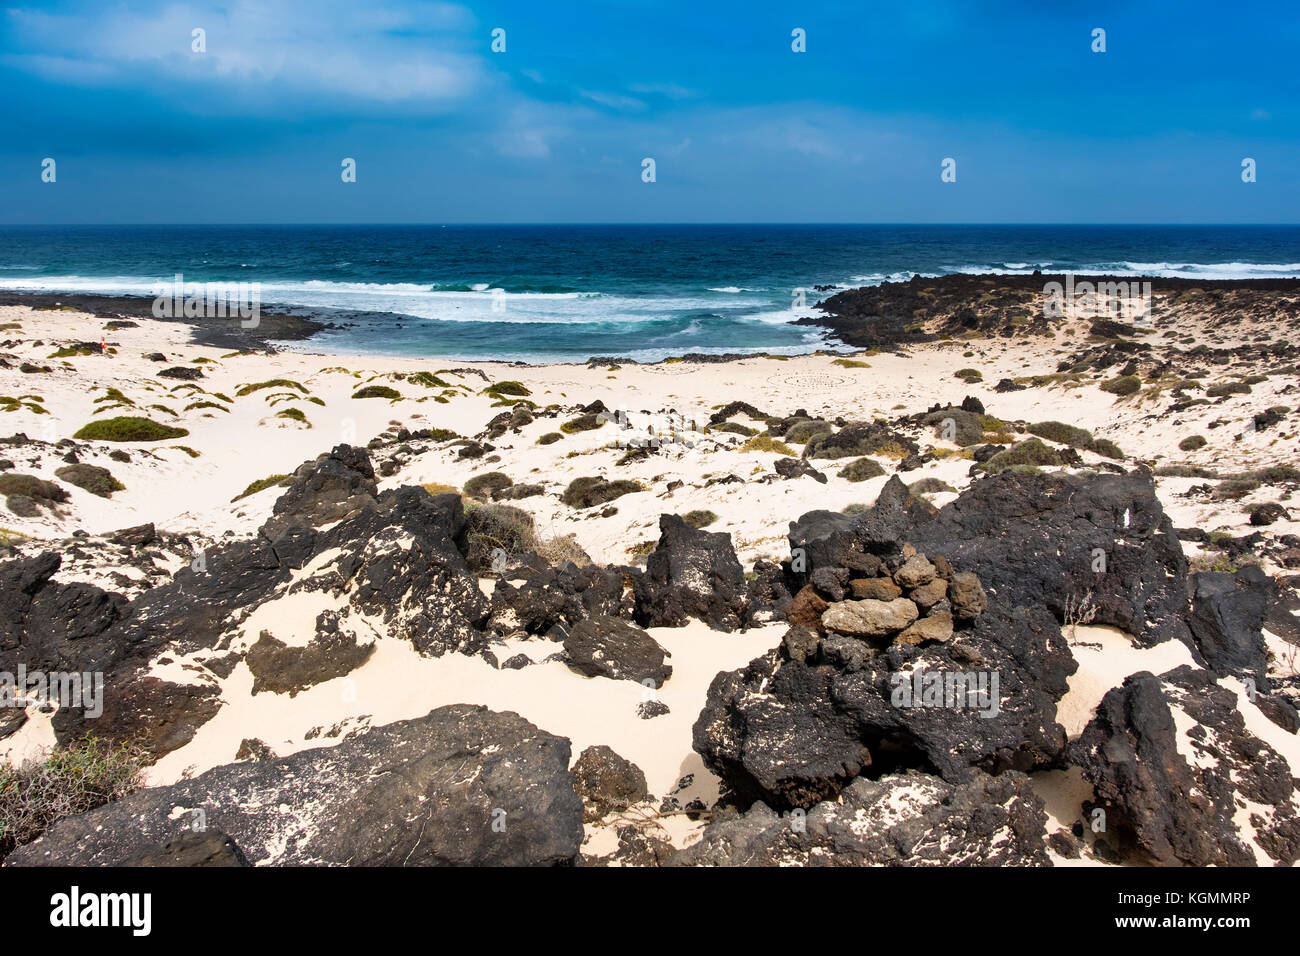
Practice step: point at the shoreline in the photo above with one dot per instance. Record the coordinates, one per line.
(851, 319)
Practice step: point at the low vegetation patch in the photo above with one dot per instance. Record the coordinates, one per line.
(700, 518)
(594, 490)
(128, 428)
(260, 485)
(377, 391)
(768, 444)
(587, 422)
(71, 780)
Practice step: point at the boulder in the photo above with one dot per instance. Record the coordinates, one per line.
(691, 574)
(1171, 761)
(607, 782)
(605, 646)
(461, 786)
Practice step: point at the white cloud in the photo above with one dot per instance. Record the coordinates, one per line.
(323, 47)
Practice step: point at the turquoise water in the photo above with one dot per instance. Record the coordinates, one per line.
(564, 293)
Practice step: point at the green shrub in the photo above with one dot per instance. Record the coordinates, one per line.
(489, 527)
(769, 444)
(272, 383)
(294, 414)
(487, 485)
(589, 491)
(1192, 442)
(71, 780)
(583, 423)
(700, 518)
(507, 388)
(861, 470)
(969, 375)
(733, 428)
(1030, 452)
(98, 481)
(1227, 388)
(260, 485)
(1063, 433)
(1123, 385)
(128, 428)
(550, 438)
(377, 391)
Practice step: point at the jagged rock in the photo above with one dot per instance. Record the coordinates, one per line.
(806, 609)
(770, 591)
(607, 782)
(649, 709)
(1172, 793)
(565, 595)
(186, 373)
(931, 593)
(791, 732)
(605, 646)
(1227, 616)
(331, 487)
(789, 468)
(691, 573)
(899, 820)
(136, 536)
(461, 786)
(1035, 539)
(829, 582)
(915, 572)
(250, 748)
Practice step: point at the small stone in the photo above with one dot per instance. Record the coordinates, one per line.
(806, 609)
(936, 627)
(915, 571)
(967, 596)
(877, 589)
(800, 643)
(869, 618)
(929, 594)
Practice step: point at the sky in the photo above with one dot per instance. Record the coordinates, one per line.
(255, 127)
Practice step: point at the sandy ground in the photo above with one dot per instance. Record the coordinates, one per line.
(242, 440)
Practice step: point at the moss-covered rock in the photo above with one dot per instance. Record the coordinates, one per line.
(98, 481)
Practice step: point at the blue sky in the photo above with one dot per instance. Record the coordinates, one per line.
(741, 128)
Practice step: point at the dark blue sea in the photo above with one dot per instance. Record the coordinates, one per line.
(566, 292)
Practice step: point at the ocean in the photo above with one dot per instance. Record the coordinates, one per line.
(554, 293)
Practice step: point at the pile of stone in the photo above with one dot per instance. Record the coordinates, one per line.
(905, 599)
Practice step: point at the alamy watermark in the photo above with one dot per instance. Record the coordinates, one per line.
(210, 300)
(62, 689)
(960, 690)
(1118, 300)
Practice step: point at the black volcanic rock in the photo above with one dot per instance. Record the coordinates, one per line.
(461, 786)
(1036, 539)
(331, 487)
(691, 574)
(899, 820)
(1227, 619)
(546, 596)
(608, 647)
(1174, 796)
